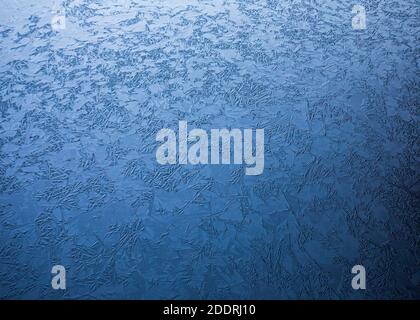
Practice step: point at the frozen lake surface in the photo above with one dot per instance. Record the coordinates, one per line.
(86, 85)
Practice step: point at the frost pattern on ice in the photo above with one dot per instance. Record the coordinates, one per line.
(79, 184)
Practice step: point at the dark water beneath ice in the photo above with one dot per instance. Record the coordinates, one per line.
(80, 107)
